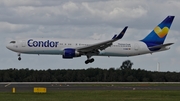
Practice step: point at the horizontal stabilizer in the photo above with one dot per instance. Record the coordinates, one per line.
(161, 46)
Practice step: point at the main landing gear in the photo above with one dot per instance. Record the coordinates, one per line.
(19, 56)
(89, 60)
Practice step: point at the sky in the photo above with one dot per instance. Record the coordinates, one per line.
(87, 19)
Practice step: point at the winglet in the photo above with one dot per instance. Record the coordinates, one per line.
(114, 36)
(121, 34)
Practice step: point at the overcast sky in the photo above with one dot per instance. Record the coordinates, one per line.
(87, 19)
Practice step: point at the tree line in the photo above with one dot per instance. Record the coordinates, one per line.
(124, 73)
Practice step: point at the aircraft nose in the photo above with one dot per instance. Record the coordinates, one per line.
(9, 46)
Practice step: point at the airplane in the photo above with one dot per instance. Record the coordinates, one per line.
(71, 48)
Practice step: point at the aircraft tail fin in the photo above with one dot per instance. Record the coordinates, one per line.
(158, 35)
(121, 34)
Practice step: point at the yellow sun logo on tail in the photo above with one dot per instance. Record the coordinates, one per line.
(161, 32)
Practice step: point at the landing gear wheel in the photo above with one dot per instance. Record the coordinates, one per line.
(19, 58)
(89, 61)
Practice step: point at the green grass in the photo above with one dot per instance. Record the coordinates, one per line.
(92, 95)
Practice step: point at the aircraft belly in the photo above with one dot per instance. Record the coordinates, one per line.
(53, 51)
(126, 51)
(50, 52)
(116, 51)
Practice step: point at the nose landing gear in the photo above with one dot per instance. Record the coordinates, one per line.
(19, 57)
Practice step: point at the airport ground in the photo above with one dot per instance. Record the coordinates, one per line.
(59, 86)
(91, 91)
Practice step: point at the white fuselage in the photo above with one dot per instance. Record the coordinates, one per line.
(56, 47)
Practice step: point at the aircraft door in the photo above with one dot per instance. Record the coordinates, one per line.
(23, 43)
(136, 47)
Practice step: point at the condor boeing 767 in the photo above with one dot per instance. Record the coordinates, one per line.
(153, 42)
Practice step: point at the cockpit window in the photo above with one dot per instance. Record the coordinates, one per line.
(13, 42)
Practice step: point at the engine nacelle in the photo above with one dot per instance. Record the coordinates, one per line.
(70, 53)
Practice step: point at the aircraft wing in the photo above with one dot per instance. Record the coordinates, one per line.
(102, 45)
(161, 46)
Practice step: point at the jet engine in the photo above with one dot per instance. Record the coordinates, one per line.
(70, 53)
